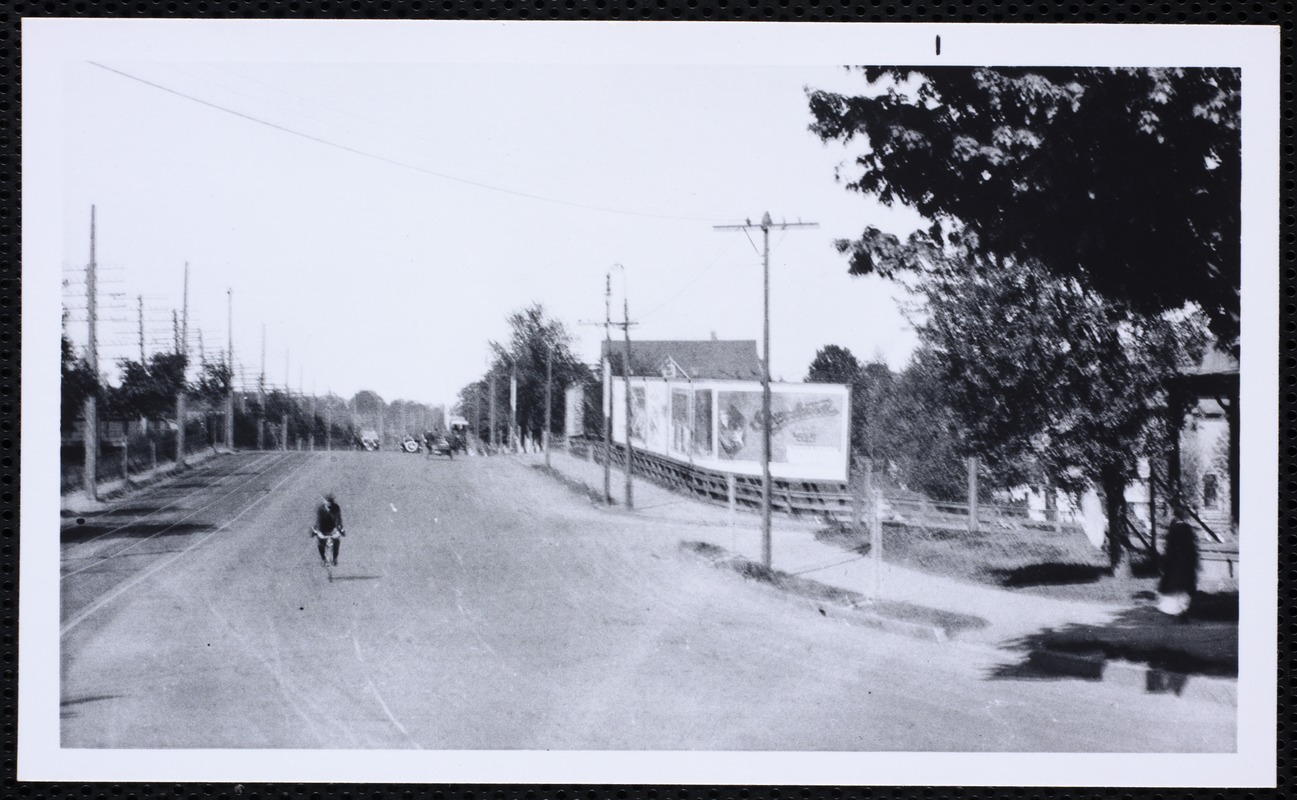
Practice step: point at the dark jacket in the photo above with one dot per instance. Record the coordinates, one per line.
(327, 517)
(1179, 560)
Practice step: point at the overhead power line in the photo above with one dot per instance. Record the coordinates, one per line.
(395, 162)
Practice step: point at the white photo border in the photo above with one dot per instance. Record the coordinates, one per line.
(49, 44)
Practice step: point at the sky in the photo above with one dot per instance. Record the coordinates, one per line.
(447, 197)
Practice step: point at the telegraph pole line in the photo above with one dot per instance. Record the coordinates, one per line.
(514, 438)
(607, 384)
(229, 366)
(630, 449)
(91, 410)
(182, 411)
(288, 399)
(491, 435)
(608, 325)
(140, 308)
(261, 394)
(549, 385)
(765, 226)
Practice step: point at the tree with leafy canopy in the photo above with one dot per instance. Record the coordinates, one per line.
(533, 337)
(215, 381)
(78, 383)
(1042, 370)
(925, 438)
(1128, 179)
(148, 390)
(871, 385)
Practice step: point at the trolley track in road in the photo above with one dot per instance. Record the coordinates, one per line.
(71, 621)
(99, 560)
(206, 471)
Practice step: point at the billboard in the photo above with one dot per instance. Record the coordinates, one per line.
(574, 411)
(717, 424)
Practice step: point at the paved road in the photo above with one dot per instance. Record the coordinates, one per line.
(480, 605)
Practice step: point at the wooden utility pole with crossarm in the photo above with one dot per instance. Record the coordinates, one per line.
(765, 225)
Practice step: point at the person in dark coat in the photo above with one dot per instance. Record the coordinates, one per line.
(1179, 569)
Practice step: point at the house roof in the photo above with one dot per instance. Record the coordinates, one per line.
(698, 360)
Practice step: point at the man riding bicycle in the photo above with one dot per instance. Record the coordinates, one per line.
(328, 528)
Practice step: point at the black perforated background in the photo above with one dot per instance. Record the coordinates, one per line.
(1252, 13)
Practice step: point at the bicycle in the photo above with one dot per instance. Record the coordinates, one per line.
(322, 541)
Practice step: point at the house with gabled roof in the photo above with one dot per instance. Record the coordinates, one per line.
(708, 359)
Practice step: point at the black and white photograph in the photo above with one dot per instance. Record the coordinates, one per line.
(665, 403)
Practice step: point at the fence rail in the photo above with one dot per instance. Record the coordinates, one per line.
(830, 500)
(138, 454)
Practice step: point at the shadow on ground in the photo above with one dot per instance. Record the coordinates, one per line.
(124, 511)
(1049, 574)
(1204, 643)
(67, 708)
(81, 533)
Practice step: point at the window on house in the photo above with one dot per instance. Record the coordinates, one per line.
(1210, 490)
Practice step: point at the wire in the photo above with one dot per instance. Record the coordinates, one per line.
(697, 276)
(395, 162)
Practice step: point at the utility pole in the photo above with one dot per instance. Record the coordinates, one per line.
(261, 394)
(91, 410)
(140, 308)
(513, 408)
(608, 325)
(229, 365)
(630, 449)
(765, 226)
(181, 401)
(477, 411)
(549, 384)
(288, 396)
(328, 425)
(607, 385)
(492, 439)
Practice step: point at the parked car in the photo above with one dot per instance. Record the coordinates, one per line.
(410, 444)
(369, 440)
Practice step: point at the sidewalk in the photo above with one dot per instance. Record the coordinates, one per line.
(795, 550)
(1021, 626)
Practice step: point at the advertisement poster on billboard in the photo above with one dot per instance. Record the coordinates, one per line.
(702, 423)
(681, 423)
(806, 429)
(721, 428)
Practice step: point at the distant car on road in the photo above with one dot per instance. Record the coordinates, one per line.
(459, 434)
(369, 440)
(439, 443)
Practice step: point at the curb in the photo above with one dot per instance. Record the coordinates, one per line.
(915, 630)
(854, 612)
(1095, 666)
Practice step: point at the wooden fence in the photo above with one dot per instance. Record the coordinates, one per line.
(827, 500)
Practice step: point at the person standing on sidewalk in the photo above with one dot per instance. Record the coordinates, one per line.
(1179, 570)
